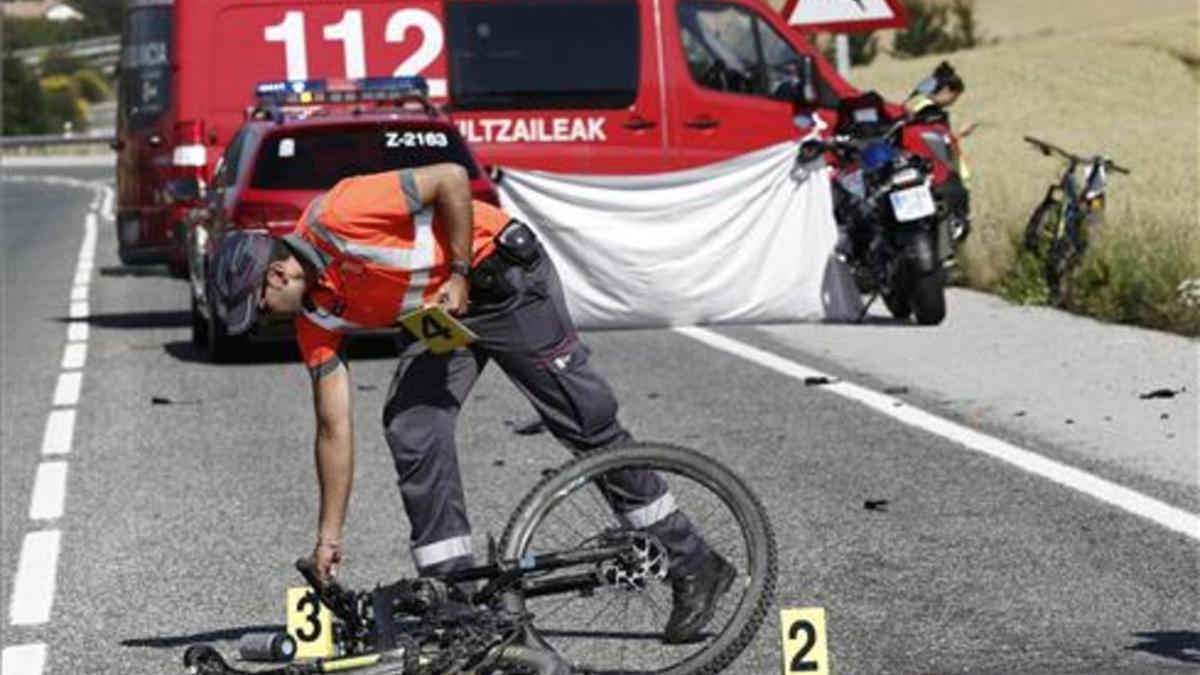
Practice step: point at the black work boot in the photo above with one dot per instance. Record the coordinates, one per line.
(694, 598)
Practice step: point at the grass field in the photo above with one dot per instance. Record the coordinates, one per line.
(1120, 77)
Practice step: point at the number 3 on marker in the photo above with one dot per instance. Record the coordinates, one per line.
(804, 645)
(309, 623)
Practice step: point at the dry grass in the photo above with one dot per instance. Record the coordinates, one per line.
(1129, 89)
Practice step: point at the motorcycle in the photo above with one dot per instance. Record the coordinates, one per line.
(897, 233)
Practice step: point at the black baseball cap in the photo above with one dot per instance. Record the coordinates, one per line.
(238, 270)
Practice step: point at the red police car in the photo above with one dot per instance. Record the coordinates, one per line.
(301, 139)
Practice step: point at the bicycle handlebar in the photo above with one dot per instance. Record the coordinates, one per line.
(1051, 149)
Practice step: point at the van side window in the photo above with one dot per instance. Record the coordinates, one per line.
(731, 49)
(721, 47)
(531, 54)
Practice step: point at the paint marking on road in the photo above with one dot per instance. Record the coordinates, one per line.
(74, 356)
(79, 292)
(49, 491)
(60, 431)
(77, 331)
(79, 310)
(1163, 514)
(66, 392)
(33, 589)
(24, 659)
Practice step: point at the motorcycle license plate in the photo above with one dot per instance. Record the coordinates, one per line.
(913, 204)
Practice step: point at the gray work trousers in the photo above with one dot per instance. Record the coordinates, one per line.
(529, 334)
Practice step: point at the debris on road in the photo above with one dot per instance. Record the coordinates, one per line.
(1162, 393)
(367, 387)
(895, 391)
(876, 505)
(1020, 413)
(163, 400)
(813, 381)
(532, 428)
(498, 462)
(653, 395)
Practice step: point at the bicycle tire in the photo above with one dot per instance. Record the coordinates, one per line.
(711, 474)
(1042, 220)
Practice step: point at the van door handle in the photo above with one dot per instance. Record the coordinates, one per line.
(702, 122)
(638, 123)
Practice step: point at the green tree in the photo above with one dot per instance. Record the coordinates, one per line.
(24, 106)
(58, 61)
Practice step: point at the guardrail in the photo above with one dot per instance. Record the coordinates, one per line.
(53, 140)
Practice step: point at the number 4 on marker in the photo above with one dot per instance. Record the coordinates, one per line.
(804, 644)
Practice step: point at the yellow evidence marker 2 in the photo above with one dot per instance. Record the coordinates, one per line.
(805, 648)
(436, 328)
(309, 623)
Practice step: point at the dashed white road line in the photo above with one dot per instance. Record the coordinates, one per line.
(33, 589)
(77, 331)
(1163, 514)
(66, 392)
(24, 659)
(74, 356)
(37, 566)
(60, 431)
(49, 491)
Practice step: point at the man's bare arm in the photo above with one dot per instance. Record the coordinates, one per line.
(335, 463)
(447, 188)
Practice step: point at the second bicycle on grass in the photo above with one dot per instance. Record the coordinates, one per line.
(1057, 232)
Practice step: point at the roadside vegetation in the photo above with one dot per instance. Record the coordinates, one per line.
(1129, 89)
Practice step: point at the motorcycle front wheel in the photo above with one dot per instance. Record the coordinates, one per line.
(618, 628)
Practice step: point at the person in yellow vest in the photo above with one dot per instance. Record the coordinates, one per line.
(929, 103)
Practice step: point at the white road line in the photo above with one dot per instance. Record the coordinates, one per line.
(77, 331)
(1163, 514)
(79, 310)
(66, 392)
(74, 356)
(60, 430)
(79, 292)
(49, 491)
(24, 659)
(33, 589)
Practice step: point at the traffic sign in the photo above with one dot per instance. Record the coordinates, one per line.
(845, 16)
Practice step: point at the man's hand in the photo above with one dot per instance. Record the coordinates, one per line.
(325, 558)
(454, 294)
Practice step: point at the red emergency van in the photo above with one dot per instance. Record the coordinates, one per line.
(586, 86)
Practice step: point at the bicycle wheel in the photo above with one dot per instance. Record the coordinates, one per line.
(617, 628)
(1041, 223)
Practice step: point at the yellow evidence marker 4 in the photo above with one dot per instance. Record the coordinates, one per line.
(437, 329)
(805, 648)
(310, 624)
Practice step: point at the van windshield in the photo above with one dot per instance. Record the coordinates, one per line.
(518, 54)
(317, 158)
(145, 87)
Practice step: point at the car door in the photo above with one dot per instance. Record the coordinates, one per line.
(728, 74)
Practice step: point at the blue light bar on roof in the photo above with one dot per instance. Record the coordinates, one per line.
(314, 92)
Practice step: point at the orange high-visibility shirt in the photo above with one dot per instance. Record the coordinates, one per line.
(379, 255)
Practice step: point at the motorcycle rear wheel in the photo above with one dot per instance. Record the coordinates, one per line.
(929, 298)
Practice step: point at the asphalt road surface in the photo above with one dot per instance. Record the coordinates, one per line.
(188, 488)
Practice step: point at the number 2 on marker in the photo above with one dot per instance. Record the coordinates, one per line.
(804, 643)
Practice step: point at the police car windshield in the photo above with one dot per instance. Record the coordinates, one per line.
(316, 159)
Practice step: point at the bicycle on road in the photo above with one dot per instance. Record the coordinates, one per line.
(570, 588)
(1057, 231)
